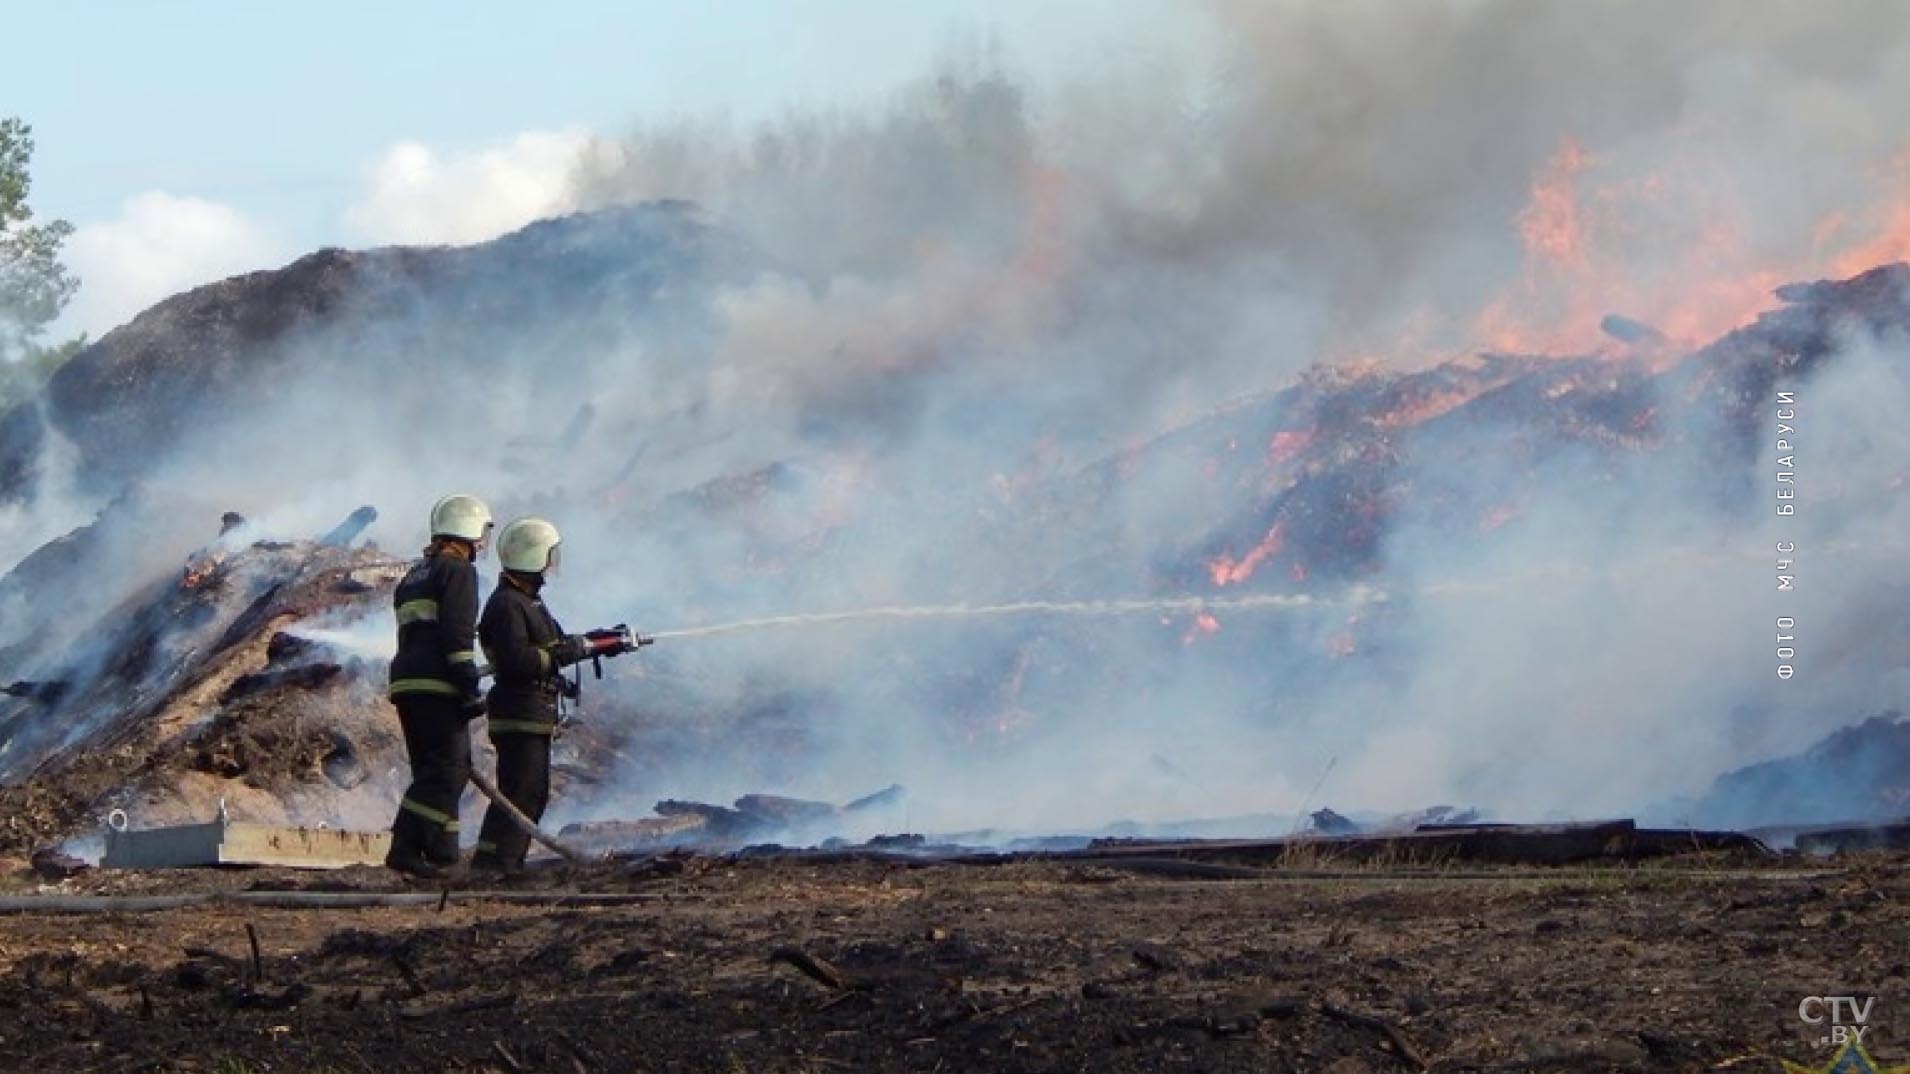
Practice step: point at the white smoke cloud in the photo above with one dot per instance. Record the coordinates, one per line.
(416, 194)
(159, 244)
(975, 296)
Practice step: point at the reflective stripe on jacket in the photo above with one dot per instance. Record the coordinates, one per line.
(436, 606)
(519, 634)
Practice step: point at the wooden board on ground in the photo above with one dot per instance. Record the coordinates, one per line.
(228, 842)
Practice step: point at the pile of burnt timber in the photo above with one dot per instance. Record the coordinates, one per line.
(1613, 841)
(754, 818)
(751, 828)
(1854, 776)
(1846, 837)
(1436, 844)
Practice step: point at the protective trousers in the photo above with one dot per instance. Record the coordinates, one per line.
(523, 775)
(438, 743)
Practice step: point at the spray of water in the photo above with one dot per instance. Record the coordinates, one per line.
(1549, 575)
(1136, 606)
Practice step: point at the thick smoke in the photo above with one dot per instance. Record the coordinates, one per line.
(974, 298)
(1060, 277)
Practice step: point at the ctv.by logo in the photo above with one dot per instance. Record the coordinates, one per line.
(1845, 1020)
(1846, 1017)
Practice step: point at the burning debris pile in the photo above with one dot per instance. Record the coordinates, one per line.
(132, 400)
(171, 687)
(1305, 484)
(1860, 772)
(190, 691)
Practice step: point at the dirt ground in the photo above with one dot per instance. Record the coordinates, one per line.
(1019, 967)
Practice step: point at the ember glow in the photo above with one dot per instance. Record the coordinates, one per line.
(1587, 232)
(1226, 571)
(1553, 226)
(1883, 234)
(1286, 444)
(1202, 624)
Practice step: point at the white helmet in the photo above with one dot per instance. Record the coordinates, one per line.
(461, 516)
(528, 545)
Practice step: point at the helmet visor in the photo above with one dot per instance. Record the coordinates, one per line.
(484, 539)
(554, 561)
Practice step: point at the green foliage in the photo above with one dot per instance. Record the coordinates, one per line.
(35, 364)
(34, 285)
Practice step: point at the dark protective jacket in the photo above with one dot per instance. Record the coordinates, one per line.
(437, 610)
(526, 649)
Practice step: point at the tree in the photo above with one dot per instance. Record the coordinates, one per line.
(34, 285)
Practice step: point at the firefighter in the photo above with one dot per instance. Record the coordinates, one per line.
(434, 684)
(527, 650)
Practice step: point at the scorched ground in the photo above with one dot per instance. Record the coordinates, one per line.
(1019, 967)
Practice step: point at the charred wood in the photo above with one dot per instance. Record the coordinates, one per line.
(866, 978)
(1157, 958)
(718, 820)
(284, 648)
(816, 969)
(48, 691)
(303, 677)
(1626, 330)
(1394, 1035)
(1858, 837)
(1178, 869)
(1327, 822)
(774, 810)
(343, 534)
(51, 863)
(635, 834)
(1241, 1014)
(892, 795)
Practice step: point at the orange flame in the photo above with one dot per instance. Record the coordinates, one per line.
(1286, 444)
(1680, 250)
(1204, 623)
(1552, 225)
(1226, 571)
(1891, 242)
(1672, 253)
(200, 569)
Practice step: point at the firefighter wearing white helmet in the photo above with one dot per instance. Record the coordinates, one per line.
(527, 650)
(528, 546)
(434, 684)
(465, 517)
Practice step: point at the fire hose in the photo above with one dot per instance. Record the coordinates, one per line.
(525, 824)
(612, 642)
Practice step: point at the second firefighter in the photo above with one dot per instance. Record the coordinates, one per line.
(434, 684)
(527, 649)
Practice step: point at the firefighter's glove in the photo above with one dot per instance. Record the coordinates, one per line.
(571, 649)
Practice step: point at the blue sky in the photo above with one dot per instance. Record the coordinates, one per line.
(267, 118)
